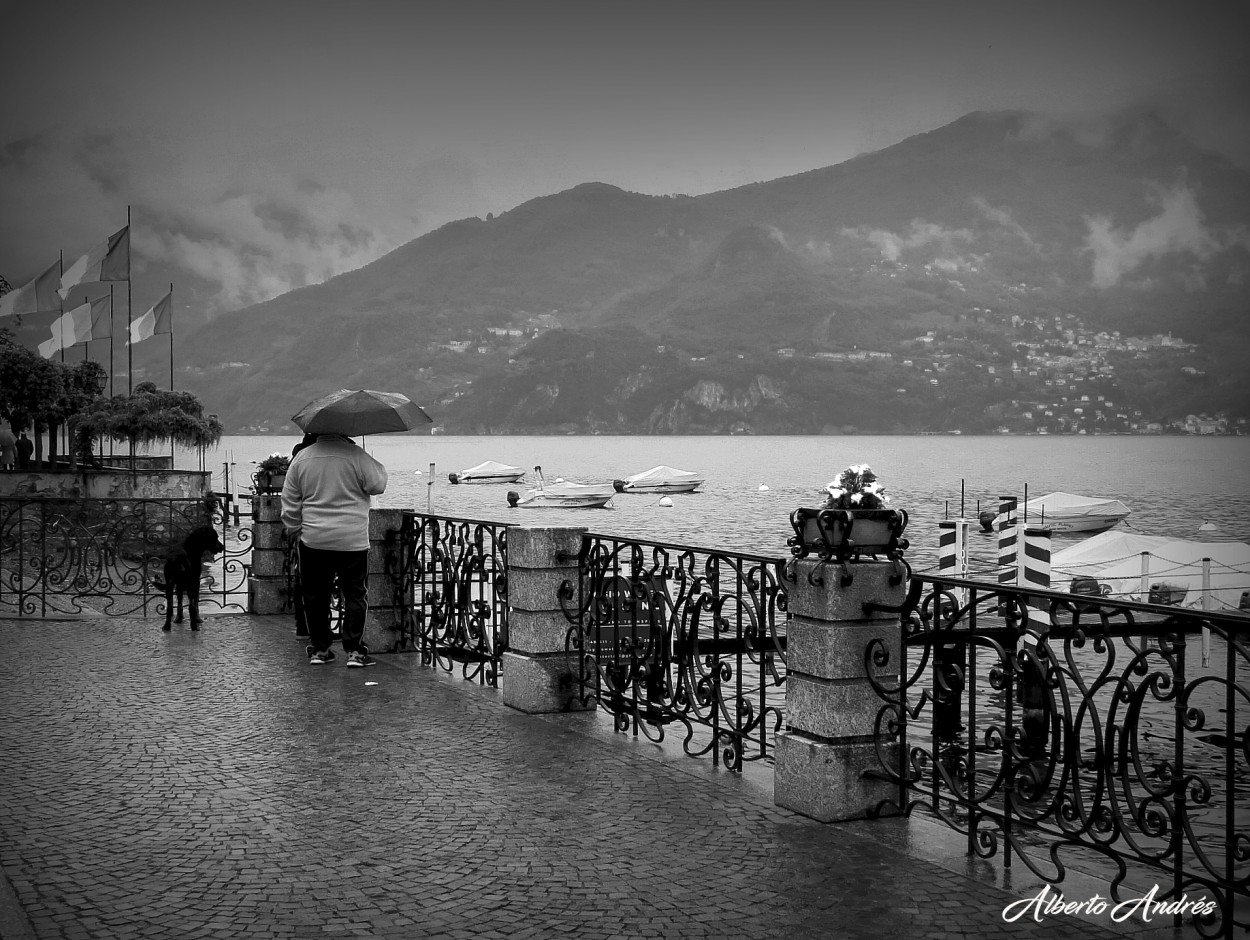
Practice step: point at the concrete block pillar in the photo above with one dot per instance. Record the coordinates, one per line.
(537, 675)
(831, 708)
(384, 624)
(268, 577)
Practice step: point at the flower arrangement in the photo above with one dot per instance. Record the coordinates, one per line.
(274, 463)
(856, 487)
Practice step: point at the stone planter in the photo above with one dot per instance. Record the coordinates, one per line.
(847, 534)
(267, 482)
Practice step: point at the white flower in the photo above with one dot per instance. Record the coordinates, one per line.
(856, 497)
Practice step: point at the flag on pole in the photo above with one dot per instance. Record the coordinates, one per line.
(38, 296)
(154, 320)
(70, 329)
(102, 317)
(107, 261)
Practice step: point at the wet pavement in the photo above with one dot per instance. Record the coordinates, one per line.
(214, 785)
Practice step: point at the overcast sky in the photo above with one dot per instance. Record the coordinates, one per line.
(268, 144)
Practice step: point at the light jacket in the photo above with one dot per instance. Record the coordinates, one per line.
(326, 494)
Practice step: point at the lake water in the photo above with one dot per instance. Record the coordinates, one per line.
(1172, 484)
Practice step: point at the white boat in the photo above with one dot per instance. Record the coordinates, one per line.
(562, 495)
(660, 480)
(489, 472)
(1065, 512)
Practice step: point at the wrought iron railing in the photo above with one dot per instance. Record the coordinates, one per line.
(665, 635)
(1073, 734)
(101, 556)
(451, 580)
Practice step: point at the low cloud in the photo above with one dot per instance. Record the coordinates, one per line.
(1177, 229)
(920, 234)
(229, 229)
(811, 249)
(1000, 216)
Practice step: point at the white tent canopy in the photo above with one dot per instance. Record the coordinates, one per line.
(1126, 563)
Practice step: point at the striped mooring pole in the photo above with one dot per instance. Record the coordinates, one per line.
(953, 552)
(1007, 535)
(1033, 562)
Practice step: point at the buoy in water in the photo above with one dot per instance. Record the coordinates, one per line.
(763, 488)
(665, 501)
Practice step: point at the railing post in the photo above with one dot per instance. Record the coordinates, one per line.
(267, 591)
(384, 624)
(831, 707)
(536, 673)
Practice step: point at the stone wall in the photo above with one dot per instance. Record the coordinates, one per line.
(105, 484)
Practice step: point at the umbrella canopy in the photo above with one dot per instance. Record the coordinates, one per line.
(360, 411)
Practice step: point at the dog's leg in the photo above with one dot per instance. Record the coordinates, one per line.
(169, 604)
(193, 590)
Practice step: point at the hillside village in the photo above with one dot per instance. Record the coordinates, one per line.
(1062, 376)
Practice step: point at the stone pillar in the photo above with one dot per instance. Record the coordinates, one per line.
(384, 624)
(268, 578)
(536, 673)
(831, 708)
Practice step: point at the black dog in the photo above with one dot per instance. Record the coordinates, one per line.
(182, 574)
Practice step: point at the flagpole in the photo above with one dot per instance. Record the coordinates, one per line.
(171, 337)
(172, 455)
(60, 313)
(130, 347)
(112, 392)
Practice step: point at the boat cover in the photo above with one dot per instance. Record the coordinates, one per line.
(662, 474)
(1070, 506)
(489, 468)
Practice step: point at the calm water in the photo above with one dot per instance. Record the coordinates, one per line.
(1172, 484)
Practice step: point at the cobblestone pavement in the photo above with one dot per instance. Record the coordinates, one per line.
(214, 785)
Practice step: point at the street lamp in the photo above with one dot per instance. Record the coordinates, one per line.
(101, 382)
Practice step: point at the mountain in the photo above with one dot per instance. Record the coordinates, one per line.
(973, 253)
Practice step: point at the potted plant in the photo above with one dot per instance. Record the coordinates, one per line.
(854, 521)
(271, 473)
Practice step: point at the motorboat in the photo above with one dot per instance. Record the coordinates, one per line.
(1064, 513)
(562, 495)
(489, 472)
(660, 480)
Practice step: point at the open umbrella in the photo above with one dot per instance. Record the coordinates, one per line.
(360, 411)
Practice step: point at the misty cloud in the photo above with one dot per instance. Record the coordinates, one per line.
(1177, 229)
(811, 249)
(1001, 216)
(254, 243)
(921, 234)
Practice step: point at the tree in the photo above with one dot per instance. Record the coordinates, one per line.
(149, 415)
(31, 390)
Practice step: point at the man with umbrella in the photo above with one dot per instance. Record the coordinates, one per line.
(326, 500)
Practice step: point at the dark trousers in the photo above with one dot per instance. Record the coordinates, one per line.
(318, 568)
